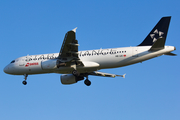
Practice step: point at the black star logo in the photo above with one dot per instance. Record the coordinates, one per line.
(156, 34)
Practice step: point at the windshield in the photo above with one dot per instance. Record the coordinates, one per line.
(13, 61)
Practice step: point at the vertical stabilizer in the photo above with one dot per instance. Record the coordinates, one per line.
(159, 31)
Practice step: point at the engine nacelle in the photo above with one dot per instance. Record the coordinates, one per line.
(70, 79)
(49, 64)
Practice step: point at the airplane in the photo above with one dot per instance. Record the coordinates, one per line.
(75, 65)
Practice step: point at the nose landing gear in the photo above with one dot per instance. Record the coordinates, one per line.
(25, 78)
(24, 82)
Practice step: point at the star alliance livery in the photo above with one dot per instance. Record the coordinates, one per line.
(75, 65)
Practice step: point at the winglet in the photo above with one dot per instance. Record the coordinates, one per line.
(124, 76)
(121, 75)
(74, 29)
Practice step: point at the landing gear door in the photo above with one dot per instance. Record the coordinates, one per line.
(135, 52)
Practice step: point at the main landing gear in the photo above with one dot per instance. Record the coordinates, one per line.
(25, 78)
(86, 82)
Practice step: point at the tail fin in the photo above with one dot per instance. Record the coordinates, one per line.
(159, 31)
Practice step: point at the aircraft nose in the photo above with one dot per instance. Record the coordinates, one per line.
(6, 69)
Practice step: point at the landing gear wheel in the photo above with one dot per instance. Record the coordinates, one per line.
(75, 73)
(87, 82)
(24, 82)
(25, 78)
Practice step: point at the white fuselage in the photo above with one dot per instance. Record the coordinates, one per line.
(93, 60)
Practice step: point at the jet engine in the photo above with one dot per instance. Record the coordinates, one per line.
(70, 79)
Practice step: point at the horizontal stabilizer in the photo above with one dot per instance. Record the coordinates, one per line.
(171, 54)
(158, 45)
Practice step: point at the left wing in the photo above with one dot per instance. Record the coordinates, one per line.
(69, 49)
(96, 73)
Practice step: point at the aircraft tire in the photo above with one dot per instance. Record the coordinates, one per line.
(24, 82)
(87, 82)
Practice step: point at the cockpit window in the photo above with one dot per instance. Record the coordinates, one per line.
(13, 61)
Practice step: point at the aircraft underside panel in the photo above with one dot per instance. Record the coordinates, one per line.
(48, 64)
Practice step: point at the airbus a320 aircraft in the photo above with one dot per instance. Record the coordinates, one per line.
(75, 65)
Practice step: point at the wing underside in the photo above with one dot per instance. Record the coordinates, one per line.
(96, 73)
(69, 49)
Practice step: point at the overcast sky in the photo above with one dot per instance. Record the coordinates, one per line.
(150, 90)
